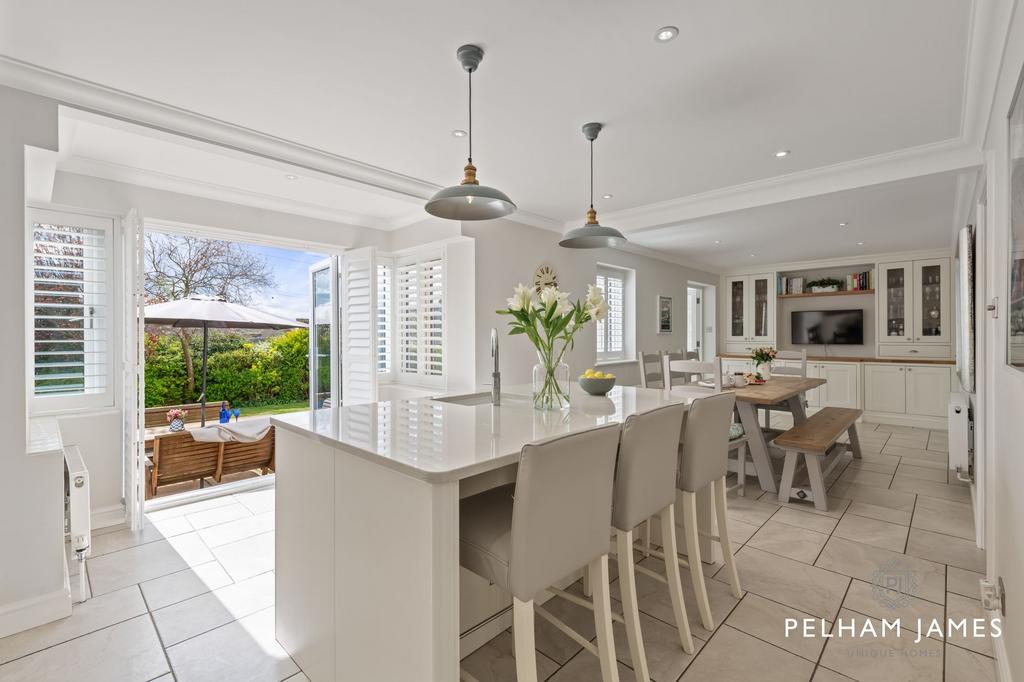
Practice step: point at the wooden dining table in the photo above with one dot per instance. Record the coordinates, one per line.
(783, 392)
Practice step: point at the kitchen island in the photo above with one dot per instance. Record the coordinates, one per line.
(367, 556)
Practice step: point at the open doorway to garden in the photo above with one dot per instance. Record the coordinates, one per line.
(243, 308)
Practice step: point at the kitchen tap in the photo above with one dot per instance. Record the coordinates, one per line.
(495, 375)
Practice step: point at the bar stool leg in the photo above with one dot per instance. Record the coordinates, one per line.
(741, 469)
(675, 584)
(693, 558)
(647, 538)
(630, 610)
(525, 648)
(723, 535)
(588, 588)
(602, 621)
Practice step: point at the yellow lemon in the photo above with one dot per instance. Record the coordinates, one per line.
(609, 375)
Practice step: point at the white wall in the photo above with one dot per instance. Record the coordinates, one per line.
(31, 488)
(507, 253)
(1004, 431)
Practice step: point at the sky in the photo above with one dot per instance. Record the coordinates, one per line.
(289, 297)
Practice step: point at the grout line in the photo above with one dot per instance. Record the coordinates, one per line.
(72, 639)
(156, 630)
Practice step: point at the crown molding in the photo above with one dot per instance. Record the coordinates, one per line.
(938, 157)
(839, 261)
(118, 104)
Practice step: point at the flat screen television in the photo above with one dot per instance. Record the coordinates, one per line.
(838, 327)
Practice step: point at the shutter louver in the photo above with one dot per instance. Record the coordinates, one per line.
(419, 296)
(611, 332)
(384, 306)
(358, 327)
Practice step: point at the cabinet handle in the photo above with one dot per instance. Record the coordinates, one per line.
(913, 350)
(909, 339)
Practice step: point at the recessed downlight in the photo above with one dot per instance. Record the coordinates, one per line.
(289, 176)
(608, 196)
(753, 255)
(666, 33)
(860, 243)
(458, 133)
(843, 224)
(718, 241)
(782, 153)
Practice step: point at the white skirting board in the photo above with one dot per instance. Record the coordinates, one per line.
(108, 516)
(999, 649)
(35, 611)
(916, 421)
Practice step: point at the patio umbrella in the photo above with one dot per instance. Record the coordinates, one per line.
(207, 313)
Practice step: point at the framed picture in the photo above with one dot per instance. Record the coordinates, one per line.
(1015, 253)
(664, 314)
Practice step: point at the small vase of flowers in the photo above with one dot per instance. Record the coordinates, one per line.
(550, 322)
(763, 358)
(176, 419)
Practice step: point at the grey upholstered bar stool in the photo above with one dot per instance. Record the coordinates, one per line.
(703, 462)
(645, 487)
(552, 522)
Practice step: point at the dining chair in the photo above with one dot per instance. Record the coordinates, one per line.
(685, 370)
(800, 371)
(651, 374)
(551, 522)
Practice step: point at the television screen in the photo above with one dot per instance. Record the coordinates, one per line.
(840, 327)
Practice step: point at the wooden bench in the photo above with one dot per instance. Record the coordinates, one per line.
(817, 441)
(177, 458)
(157, 416)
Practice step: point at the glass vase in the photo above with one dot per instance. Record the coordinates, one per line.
(765, 370)
(550, 385)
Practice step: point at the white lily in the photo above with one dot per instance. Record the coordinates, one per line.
(522, 298)
(548, 296)
(599, 310)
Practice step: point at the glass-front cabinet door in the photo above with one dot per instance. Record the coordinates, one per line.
(761, 316)
(931, 301)
(737, 308)
(895, 319)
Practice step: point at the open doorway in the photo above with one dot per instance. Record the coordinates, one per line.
(238, 368)
(700, 319)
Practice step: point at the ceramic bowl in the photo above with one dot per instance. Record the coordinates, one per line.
(596, 386)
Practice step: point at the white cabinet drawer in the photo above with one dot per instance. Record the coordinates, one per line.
(912, 350)
(741, 348)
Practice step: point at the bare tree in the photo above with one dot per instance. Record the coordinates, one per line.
(178, 267)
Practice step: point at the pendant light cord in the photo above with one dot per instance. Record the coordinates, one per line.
(591, 174)
(471, 117)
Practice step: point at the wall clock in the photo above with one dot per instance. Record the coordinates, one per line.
(545, 276)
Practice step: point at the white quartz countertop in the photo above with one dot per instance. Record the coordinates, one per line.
(439, 441)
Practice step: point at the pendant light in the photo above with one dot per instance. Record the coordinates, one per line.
(470, 200)
(593, 235)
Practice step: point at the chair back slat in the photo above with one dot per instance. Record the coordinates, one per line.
(685, 372)
(645, 472)
(562, 508)
(800, 355)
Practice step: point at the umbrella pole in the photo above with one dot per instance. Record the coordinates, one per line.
(202, 398)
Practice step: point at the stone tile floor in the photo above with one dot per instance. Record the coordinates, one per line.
(190, 596)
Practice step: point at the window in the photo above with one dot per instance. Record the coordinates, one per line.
(384, 318)
(612, 332)
(71, 304)
(419, 295)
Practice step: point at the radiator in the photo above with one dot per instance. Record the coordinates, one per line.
(77, 510)
(961, 437)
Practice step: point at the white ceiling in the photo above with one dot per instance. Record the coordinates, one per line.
(909, 215)
(378, 83)
(115, 150)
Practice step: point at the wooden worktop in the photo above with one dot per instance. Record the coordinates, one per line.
(841, 358)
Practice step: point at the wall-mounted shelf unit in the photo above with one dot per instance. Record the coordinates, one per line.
(854, 292)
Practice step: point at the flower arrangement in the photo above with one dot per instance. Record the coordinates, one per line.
(550, 322)
(176, 413)
(176, 418)
(763, 356)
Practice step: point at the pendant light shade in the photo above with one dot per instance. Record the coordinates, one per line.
(592, 235)
(470, 200)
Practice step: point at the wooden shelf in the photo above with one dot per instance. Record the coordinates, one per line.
(855, 292)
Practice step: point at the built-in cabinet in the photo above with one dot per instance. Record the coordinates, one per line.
(914, 308)
(750, 311)
(843, 387)
(916, 390)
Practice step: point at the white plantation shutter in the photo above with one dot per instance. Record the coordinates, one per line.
(611, 332)
(419, 297)
(71, 298)
(358, 290)
(384, 312)
(133, 362)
